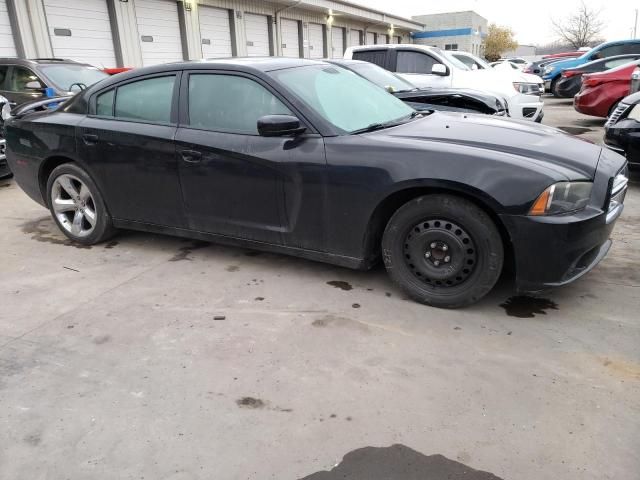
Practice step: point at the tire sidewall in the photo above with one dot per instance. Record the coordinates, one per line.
(479, 226)
(104, 226)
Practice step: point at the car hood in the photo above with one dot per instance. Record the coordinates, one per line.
(561, 65)
(546, 147)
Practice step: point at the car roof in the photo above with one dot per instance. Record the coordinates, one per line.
(378, 46)
(38, 61)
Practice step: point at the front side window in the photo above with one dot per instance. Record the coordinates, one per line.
(19, 79)
(414, 62)
(343, 98)
(228, 103)
(148, 100)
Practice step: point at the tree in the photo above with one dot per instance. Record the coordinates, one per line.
(581, 28)
(498, 40)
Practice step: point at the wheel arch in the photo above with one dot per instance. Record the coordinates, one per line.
(385, 209)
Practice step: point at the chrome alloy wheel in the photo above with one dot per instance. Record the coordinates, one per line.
(73, 205)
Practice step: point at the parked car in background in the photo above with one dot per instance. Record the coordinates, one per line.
(571, 79)
(635, 81)
(4, 166)
(553, 56)
(25, 80)
(537, 67)
(552, 72)
(622, 130)
(506, 64)
(449, 99)
(602, 91)
(431, 67)
(305, 158)
(521, 62)
(476, 63)
(115, 71)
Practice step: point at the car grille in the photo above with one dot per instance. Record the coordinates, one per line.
(619, 186)
(617, 114)
(3, 149)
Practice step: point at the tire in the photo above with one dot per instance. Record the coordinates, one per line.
(554, 88)
(453, 232)
(77, 206)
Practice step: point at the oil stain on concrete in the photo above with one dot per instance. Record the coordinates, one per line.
(524, 306)
(340, 284)
(184, 252)
(398, 462)
(46, 231)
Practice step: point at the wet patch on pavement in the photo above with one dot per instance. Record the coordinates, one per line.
(232, 268)
(111, 244)
(398, 462)
(46, 231)
(250, 402)
(184, 252)
(524, 306)
(575, 130)
(341, 285)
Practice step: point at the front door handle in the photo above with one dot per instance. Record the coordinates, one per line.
(90, 139)
(191, 156)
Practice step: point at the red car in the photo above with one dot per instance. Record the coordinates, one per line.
(113, 71)
(562, 55)
(602, 91)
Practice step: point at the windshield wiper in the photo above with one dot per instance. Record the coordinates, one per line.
(394, 123)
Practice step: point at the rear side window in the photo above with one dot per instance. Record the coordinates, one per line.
(148, 100)
(228, 103)
(373, 56)
(414, 62)
(104, 104)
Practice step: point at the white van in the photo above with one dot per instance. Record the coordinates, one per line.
(432, 67)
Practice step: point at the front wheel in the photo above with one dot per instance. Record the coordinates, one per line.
(77, 206)
(443, 251)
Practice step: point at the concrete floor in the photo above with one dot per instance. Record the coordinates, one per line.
(113, 365)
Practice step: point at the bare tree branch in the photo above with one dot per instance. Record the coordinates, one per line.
(580, 28)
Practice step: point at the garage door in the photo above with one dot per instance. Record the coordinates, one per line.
(371, 38)
(159, 31)
(215, 31)
(7, 46)
(316, 40)
(382, 39)
(80, 30)
(337, 42)
(355, 37)
(290, 38)
(257, 29)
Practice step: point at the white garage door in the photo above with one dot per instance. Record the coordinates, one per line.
(382, 39)
(159, 31)
(337, 42)
(257, 29)
(80, 30)
(7, 46)
(316, 41)
(355, 37)
(371, 38)
(215, 31)
(290, 38)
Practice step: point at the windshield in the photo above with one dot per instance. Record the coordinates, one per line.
(381, 77)
(344, 99)
(64, 76)
(457, 63)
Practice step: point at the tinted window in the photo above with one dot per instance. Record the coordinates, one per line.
(414, 62)
(20, 77)
(609, 51)
(373, 56)
(147, 100)
(228, 103)
(104, 104)
(469, 62)
(73, 77)
(617, 62)
(3, 75)
(631, 48)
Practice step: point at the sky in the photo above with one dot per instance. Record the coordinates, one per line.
(530, 21)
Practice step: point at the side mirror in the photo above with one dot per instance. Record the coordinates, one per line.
(34, 85)
(279, 126)
(439, 69)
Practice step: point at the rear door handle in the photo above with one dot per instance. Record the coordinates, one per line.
(90, 139)
(191, 156)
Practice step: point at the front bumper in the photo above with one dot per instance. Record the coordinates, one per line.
(556, 250)
(526, 107)
(624, 137)
(5, 171)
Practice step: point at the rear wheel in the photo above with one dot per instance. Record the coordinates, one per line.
(77, 206)
(554, 88)
(443, 251)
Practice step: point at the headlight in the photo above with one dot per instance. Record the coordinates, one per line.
(527, 88)
(634, 114)
(562, 197)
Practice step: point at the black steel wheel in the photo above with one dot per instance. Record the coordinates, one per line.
(443, 251)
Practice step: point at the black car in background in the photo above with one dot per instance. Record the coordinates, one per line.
(27, 80)
(309, 159)
(448, 99)
(537, 67)
(622, 129)
(570, 81)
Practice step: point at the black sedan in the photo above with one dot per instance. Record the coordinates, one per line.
(622, 130)
(449, 99)
(570, 82)
(307, 158)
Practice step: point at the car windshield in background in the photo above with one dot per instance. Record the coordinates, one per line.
(73, 77)
(381, 77)
(343, 98)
